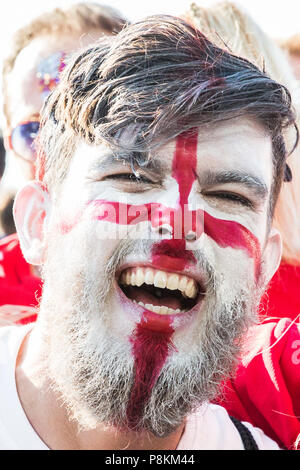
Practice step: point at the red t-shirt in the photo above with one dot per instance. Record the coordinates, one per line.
(18, 285)
(266, 388)
(282, 299)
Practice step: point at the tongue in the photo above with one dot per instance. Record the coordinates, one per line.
(142, 295)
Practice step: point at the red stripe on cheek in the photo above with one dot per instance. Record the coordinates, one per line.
(150, 351)
(228, 233)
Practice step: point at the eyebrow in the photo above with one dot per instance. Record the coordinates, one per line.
(250, 181)
(206, 179)
(112, 160)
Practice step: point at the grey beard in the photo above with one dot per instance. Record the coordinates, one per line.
(94, 372)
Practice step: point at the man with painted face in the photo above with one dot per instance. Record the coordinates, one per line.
(160, 161)
(31, 69)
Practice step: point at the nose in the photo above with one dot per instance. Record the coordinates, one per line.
(166, 231)
(191, 236)
(177, 223)
(163, 230)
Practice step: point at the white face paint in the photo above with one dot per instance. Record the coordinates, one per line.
(233, 184)
(213, 283)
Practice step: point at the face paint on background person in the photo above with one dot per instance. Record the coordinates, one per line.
(48, 72)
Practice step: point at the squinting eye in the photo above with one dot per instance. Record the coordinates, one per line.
(235, 198)
(129, 177)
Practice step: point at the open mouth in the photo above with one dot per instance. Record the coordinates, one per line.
(161, 292)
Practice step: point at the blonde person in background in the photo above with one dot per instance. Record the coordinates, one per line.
(36, 55)
(291, 46)
(33, 56)
(265, 389)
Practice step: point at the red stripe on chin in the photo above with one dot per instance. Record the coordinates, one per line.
(150, 350)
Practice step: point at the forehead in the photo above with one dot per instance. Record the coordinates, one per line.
(237, 144)
(24, 95)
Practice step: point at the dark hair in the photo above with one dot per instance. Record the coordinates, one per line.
(163, 76)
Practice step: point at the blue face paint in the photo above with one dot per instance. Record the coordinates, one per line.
(48, 72)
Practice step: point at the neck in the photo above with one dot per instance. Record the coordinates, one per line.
(49, 416)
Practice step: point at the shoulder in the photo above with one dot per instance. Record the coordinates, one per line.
(270, 363)
(281, 298)
(263, 442)
(6, 332)
(10, 335)
(11, 338)
(211, 428)
(225, 422)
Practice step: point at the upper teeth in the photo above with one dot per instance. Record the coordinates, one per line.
(162, 279)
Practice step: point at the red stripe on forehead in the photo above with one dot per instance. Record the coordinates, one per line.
(184, 168)
(173, 253)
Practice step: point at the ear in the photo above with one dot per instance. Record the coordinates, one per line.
(7, 142)
(6, 132)
(31, 206)
(272, 253)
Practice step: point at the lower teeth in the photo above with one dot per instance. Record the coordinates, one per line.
(162, 310)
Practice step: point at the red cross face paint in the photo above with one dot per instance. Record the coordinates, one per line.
(151, 303)
(178, 219)
(151, 340)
